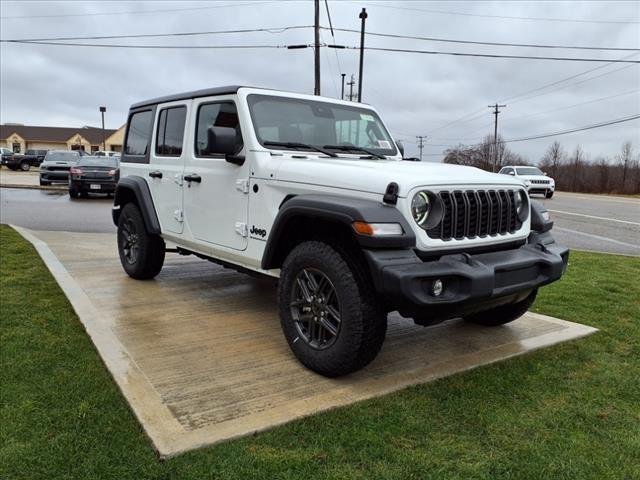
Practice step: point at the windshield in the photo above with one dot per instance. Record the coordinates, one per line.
(529, 171)
(317, 123)
(111, 162)
(61, 157)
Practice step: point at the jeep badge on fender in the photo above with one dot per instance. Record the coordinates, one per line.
(351, 230)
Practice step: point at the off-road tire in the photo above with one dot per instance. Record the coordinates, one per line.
(25, 167)
(364, 322)
(149, 257)
(73, 192)
(548, 195)
(504, 313)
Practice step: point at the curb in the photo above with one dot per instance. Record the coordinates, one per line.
(34, 187)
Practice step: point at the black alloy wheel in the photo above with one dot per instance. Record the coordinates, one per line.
(129, 238)
(315, 308)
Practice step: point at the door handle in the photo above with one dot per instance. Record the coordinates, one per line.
(155, 174)
(193, 178)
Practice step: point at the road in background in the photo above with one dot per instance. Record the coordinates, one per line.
(586, 222)
(601, 223)
(54, 210)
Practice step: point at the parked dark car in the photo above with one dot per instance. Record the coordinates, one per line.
(31, 158)
(56, 165)
(94, 175)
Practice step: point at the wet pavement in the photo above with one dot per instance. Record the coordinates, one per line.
(199, 354)
(585, 222)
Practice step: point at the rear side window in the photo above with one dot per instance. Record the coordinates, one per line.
(216, 123)
(138, 133)
(171, 131)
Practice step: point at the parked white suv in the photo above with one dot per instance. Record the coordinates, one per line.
(533, 178)
(313, 191)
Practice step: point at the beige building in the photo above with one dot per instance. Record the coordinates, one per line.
(19, 138)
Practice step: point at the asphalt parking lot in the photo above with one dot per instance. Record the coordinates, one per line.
(599, 223)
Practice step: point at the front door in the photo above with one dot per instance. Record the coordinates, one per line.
(216, 205)
(166, 165)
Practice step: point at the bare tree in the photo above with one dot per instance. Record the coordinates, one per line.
(625, 157)
(553, 158)
(482, 154)
(577, 161)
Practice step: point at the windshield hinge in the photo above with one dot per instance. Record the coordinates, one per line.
(241, 229)
(243, 185)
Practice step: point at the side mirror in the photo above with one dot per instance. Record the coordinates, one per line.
(513, 174)
(400, 147)
(544, 173)
(227, 141)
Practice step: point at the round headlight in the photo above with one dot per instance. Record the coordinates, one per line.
(420, 206)
(519, 201)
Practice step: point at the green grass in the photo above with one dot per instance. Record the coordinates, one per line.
(571, 411)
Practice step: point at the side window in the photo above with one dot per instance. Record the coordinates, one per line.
(138, 133)
(171, 131)
(217, 129)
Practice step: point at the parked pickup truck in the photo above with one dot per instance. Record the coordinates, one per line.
(314, 191)
(31, 158)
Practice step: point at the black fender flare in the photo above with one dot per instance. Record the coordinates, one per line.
(538, 222)
(342, 210)
(134, 188)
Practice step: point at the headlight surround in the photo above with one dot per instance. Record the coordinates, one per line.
(420, 207)
(522, 202)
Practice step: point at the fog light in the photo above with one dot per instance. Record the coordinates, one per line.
(437, 287)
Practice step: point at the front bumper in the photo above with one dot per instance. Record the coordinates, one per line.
(540, 188)
(471, 282)
(54, 176)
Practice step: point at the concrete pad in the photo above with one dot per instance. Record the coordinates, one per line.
(199, 355)
(20, 179)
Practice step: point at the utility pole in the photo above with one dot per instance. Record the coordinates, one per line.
(363, 16)
(316, 28)
(421, 139)
(495, 133)
(342, 95)
(351, 83)
(102, 110)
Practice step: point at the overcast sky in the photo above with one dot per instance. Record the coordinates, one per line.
(416, 94)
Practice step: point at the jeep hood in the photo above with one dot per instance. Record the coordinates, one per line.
(373, 176)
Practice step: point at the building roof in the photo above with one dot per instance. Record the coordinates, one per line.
(54, 134)
(207, 92)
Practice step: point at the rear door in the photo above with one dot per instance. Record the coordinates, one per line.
(166, 164)
(216, 206)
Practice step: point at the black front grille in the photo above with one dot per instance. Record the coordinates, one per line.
(476, 213)
(540, 182)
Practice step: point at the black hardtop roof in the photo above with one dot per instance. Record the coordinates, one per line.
(207, 92)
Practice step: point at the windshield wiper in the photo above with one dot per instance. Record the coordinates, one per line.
(299, 146)
(353, 148)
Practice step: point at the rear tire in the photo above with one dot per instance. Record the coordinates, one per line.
(347, 300)
(503, 314)
(25, 167)
(141, 253)
(73, 192)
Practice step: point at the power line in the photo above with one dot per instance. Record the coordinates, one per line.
(488, 55)
(566, 107)
(135, 12)
(507, 17)
(573, 130)
(176, 47)
(158, 35)
(477, 42)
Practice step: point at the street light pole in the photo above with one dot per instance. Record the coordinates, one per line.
(342, 95)
(316, 28)
(102, 110)
(363, 15)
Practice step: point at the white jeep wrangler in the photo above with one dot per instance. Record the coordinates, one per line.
(314, 191)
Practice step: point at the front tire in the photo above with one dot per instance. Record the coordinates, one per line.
(141, 253)
(328, 310)
(549, 195)
(25, 167)
(44, 183)
(504, 313)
